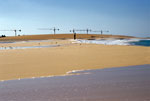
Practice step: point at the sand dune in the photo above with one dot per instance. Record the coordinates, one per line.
(61, 36)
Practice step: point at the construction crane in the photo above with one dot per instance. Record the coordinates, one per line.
(54, 29)
(75, 30)
(101, 31)
(13, 30)
(87, 30)
(78, 30)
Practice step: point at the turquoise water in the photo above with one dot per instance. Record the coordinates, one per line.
(141, 43)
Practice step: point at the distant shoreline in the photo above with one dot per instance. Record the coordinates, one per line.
(61, 36)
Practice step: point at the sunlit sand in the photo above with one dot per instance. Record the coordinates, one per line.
(68, 56)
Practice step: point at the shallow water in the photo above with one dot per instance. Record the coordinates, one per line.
(5, 42)
(27, 47)
(116, 84)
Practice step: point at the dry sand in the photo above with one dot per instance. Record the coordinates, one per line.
(60, 36)
(27, 63)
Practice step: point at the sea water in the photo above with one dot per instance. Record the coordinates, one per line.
(134, 42)
(115, 84)
(28, 41)
(25, 47)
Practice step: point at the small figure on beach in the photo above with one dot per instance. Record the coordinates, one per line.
(74, 36)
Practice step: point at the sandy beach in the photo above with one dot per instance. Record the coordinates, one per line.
(60, 36)
(28, 63)
(77, 50)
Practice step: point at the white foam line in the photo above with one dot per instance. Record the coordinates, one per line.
(19, 78)
(2, 80)
(73, 72)
(74, 41)
(108, 41)
(77, 72)
(33, 78)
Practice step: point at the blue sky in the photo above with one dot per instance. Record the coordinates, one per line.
(125, 17)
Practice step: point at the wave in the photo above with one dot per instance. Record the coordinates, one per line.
(137, 42)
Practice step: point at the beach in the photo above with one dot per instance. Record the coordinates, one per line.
(110, 68)
(77, 50)
(67, 56)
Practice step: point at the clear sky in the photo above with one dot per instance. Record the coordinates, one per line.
(125, 17)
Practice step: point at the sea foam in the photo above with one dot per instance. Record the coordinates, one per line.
(137, 42)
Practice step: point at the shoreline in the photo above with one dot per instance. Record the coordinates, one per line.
(68, 56)
(70, 73)
(124, 83)
(26, 63)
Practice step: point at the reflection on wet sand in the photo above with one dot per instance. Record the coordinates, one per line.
(116, 84)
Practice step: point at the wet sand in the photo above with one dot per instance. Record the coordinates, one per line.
(28, 63)
(113, 84)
